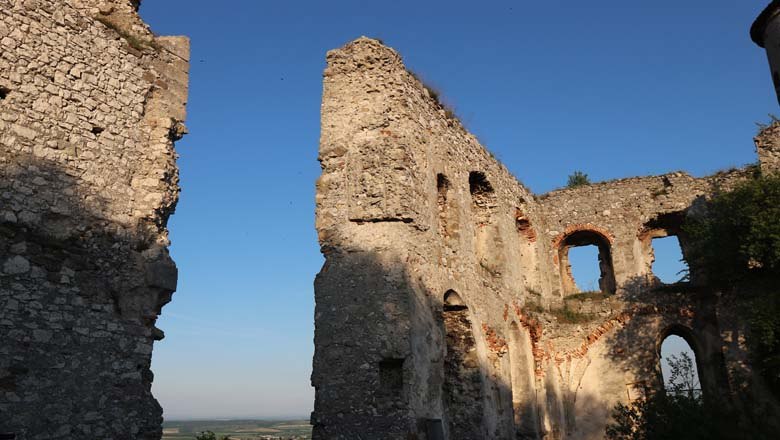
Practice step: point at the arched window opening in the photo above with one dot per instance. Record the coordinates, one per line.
(678, 367)
(522, 381)
(570, 251)
(452, 302)
(462, 388)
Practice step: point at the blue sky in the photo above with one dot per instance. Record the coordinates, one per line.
(612, 88)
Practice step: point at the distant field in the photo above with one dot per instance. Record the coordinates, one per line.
(238, 429)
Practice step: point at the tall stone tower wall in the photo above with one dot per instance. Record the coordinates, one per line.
(91, 103)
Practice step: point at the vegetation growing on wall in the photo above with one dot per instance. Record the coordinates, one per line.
(137, 43)
(738, 244)
(578, 178)
(740, 236)
(678, 413)
(681, 413)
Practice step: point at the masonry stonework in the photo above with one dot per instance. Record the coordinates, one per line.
(446, 273)
(91, 102)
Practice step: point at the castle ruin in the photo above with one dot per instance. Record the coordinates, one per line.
(91, 102)
(439, 306)
(436, 307)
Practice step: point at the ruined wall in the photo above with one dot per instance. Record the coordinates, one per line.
(399, 227)
(444, 306)
(90, 105)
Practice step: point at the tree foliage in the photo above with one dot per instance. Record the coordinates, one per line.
(740, 235)
(737, 243)
(206, 435)
(209, 435)
(679, 413)
(578, 178)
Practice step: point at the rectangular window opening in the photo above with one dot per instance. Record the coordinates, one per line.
(391, 375)
(669, 265)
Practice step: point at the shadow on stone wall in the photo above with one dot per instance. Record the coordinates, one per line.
(381, 356)
(80, 290)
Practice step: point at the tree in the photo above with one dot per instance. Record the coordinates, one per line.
(737, 243)
(678, 412)
(206, 435)
(739, 237)
(578, 178)
(682, 376)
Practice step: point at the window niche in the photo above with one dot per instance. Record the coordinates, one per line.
(391, 376)
(662, 242)
(526, 238)
(448, 221)
(483, 198)
(462, 398)
(488, 243)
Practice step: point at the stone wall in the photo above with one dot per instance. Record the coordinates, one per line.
(91, 103)
(444, 273)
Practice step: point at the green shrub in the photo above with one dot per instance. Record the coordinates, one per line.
(594, 295)
(206, 435)
(565, 315)
(137, 43)
(737, 244)
(578, 178)
(740, 236)
(681, 413)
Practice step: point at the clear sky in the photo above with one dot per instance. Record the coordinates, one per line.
(612, 88)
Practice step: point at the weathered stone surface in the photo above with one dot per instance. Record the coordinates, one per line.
(442, 265)
(87, 182)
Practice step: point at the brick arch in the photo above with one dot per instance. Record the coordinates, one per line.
(583, 235)
(571, 229)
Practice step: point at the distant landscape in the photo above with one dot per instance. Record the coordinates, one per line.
(245, 429)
